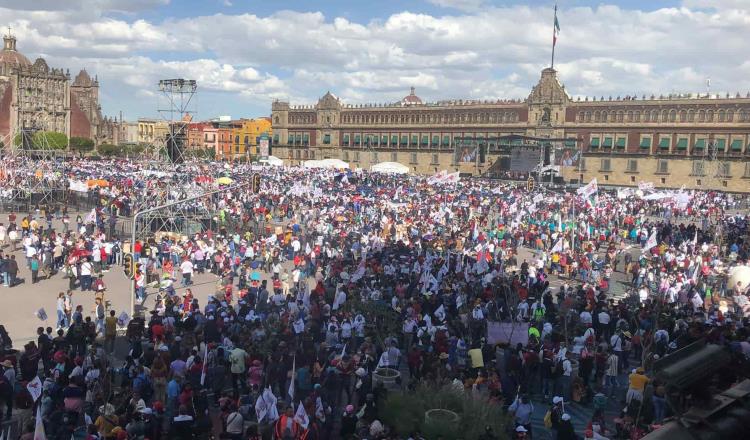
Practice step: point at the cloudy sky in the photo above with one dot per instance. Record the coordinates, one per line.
(246, 53)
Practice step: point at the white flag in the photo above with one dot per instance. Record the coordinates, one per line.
(299, 326)
(205, 362)
(294, 376)
(651, 242)
(320, 412)
(271, 401)
(301, 416)
(590, 189)
(558, 247)
(440, 313)
(261, 408)
(39, 433)
(35, 388)
(91, 216)
(452, 178)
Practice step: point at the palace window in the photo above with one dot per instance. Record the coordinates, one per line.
(394, 157)
(730, 116)
(637, 116)
(710, 116)
(721, 115)
(413, 158)
(691, 116)
(662, 166)
(606, 165)
(632, 166)
(683, 116)
(356, 156)
(588, 116)
(435, 159)
(723, 169)
(346, 156)
(746, 174)
(630, 116)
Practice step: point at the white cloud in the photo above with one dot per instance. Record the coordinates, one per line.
(491, 53)
(461, 5)
(98, 5)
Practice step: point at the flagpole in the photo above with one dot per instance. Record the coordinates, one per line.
(553, 38)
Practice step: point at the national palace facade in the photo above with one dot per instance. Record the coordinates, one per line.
(697, 141)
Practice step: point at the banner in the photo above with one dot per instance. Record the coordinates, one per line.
(645, 186)
(511, 333)
(438, 177)
(590, 189)
(263, 150)
(651, 242)
(466, 154)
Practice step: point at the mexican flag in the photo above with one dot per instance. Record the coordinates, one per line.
(556, 32)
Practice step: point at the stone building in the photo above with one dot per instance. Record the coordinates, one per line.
(34, 96)
(698, 141)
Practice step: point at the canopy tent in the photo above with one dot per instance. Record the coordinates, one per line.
(390, 167)
(326, 163)
(273, 161)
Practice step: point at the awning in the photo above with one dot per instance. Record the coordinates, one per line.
(664, 143)
(305, 137)
(414, 140)
(394, 140)
(327, 139)
(607, 142)
(736, 145)
(682, 144)
(594, 142)
(446, 140)
(346, 140)
(404, 140)
(384, 140)
(570, 143)
(520, 141)
(620, 143)
(276, 139)
(357, 140)
(425, 140)
(646, 142)
(700, 144)
(435, 141)
(721, 144)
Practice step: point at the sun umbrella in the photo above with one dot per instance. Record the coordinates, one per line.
(224, 181)
(255, 276)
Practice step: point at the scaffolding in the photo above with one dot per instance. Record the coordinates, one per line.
(33, 169)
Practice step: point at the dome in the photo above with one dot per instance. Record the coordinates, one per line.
(82, 79)
(10, 55)
(411, 99)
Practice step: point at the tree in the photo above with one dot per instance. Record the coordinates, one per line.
(109, 150)
(43, 140)
(81, 144)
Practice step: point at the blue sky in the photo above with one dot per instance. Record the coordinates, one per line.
(246, 53)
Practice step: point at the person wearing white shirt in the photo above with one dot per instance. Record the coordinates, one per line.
(187, 272)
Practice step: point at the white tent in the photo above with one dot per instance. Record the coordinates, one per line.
(326, 163)
(273, 161)
(390, 167)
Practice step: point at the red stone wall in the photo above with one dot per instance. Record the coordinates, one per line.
(80, 126)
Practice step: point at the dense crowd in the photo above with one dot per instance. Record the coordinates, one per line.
(338, 290)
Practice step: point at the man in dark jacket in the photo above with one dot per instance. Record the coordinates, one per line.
(12, 270)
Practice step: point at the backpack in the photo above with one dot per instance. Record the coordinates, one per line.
(548, 419)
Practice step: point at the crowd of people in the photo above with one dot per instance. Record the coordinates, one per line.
(338, 291)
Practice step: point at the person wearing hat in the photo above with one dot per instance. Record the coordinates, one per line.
(521, 432)
(565, 430)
